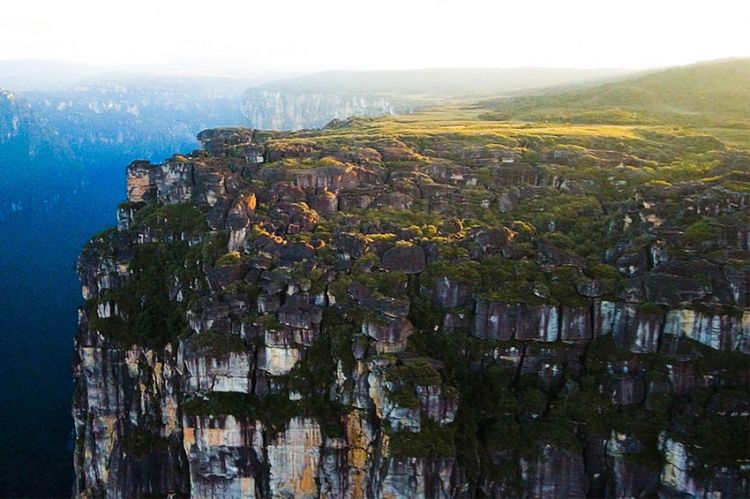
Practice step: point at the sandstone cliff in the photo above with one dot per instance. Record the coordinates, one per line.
(363, 312)
(279, 110)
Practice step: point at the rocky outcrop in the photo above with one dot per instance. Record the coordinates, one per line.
(504, 321)
(408, 259)
(278, 315)
(679, 478)
(556, 473)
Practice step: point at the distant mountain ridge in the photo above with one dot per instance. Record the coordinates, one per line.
(311, 101)
(139, 116)
(25, 137)
(714, 92)
(439, 82)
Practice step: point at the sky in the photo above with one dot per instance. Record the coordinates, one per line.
(309, 35)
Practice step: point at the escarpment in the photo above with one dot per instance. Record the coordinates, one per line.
(295, 110)
(379, 310)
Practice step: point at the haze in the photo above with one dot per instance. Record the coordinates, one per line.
(298, 35)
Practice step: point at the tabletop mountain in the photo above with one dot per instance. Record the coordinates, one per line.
(441, 304)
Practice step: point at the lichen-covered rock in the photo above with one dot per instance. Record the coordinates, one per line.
(450, 293)
(390, 334)
(294, 458)
(407, 259)
(226, 457)
(503, 321)
(678, 476)
(633, 476)
(716, 331)
(555, 473)
(415, 477)
(204, 371)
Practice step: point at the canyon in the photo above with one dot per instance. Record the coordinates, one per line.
(66, 135)
(544, 296)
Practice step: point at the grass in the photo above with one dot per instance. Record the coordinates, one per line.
(709, 93)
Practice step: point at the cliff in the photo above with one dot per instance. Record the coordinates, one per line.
(421, 308)
(279, 110)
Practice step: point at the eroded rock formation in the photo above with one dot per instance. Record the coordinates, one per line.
(282, 315)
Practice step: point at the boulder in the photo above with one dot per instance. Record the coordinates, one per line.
(409, 259)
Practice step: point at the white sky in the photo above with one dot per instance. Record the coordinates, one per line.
(377, 34)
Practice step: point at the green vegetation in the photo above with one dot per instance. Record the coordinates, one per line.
(311, 379)
(431, 441)
(418, 371)
(712, 93)
(387, 220)
(700, 232)
(148, 316)
(175, 218)
(272, 410)
(217, 344)
(142, 443)
(720, 440)
(232, 258)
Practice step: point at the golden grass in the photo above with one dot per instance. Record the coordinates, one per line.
(465, 121)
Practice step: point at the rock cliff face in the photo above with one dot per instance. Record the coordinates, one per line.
(347, 313)
(296, 110)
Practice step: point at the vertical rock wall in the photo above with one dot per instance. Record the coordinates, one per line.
(246, 333)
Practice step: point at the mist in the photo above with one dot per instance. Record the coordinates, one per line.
(293, 35)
